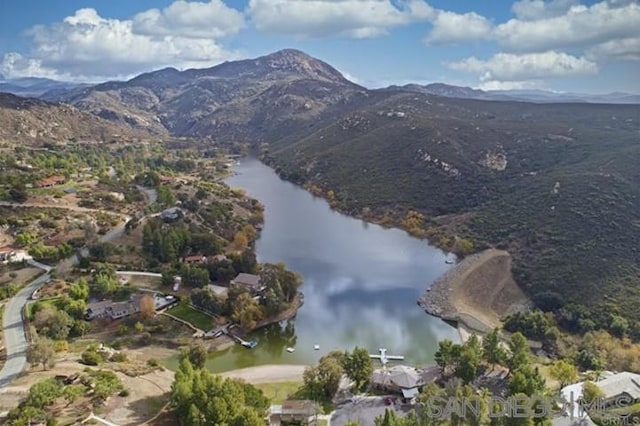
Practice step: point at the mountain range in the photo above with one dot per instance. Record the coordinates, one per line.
(557, 184)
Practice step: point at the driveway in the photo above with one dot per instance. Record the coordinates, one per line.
(14, 337)
(364, 410)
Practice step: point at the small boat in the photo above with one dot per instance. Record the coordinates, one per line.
(290, 350)
(316, 347)
(449, 261)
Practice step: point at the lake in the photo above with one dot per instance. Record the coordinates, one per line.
(361, 281)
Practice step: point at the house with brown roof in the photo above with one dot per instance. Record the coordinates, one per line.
(250, 282)
(194, 259)
(50, 181)
(298, 412)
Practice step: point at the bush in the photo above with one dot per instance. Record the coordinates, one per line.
(91, 357)
(60, 346)
(124, 393)
(152, 362)
(119, 357)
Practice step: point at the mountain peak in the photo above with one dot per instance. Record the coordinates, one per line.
(298, 62)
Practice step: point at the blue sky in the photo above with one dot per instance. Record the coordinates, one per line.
(564, 45)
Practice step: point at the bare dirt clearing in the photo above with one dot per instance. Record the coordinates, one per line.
(477, 292)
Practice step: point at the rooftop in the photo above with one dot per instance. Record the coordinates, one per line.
(620, 383)
(247, 279)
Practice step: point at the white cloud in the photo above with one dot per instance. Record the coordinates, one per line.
(580, 27)
(531, 66)
(511, 85)
(451, 28)
(322, 18)
(627, 49)
(88, 46)
(531, 10)
(190, 19)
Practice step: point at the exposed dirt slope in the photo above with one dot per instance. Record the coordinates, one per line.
(477, 292)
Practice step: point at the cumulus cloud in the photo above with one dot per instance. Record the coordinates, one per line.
(451, 28)
(192, 19)
(88, 46)
(321, 18)
(526, 67)
(531, 10)
(627, 49)
(580, 27)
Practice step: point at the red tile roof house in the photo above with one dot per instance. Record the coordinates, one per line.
(197, 258)
(50, 181)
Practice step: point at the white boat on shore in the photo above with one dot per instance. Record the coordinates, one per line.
(290, 349)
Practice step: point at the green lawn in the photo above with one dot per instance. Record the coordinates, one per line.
(195, 318)
(278, 392)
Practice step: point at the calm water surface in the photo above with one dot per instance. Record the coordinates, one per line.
(361, 281)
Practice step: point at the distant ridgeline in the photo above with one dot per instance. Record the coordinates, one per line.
(557, 185)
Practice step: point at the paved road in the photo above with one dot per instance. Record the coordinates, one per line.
(14, 337)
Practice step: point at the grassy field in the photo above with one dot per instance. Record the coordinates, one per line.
(278, 392)
(195, 318)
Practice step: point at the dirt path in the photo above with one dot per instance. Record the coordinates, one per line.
(477, 292)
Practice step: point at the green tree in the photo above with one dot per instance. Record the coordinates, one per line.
(445, 355)
(494, 353)
(591, 392)
(44, 393)
(358, 367)
(526, 380)
(79, 290)
(519, 351)
(72, 392)
(197, 355)
(18, 193)
(41, 351)
(469, 359)
(564, 372)
(321, 382)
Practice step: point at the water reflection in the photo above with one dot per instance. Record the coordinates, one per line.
(361, 281)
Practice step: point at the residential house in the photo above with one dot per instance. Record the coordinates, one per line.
(250, 282)
(197, 259)
(6, 253)
(399, 378)
(108, 309)
(621, 385)
(50, 181)
(298, 412)
(172, 214)
(219, 258)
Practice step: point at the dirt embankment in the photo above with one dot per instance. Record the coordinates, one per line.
(476, 293)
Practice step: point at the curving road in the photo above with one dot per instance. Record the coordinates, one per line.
(15, 340)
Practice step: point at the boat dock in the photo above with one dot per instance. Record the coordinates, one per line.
(384, 358)
(226, 330)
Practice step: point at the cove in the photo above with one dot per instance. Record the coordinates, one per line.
(361, 281)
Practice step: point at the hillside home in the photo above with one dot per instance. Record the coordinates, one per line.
(250, 282)
(621, 385)
(6, 253)
(194, 259)
(50, 181)
(171, 215)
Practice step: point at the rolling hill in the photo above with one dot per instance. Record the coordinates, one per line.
(555, 184)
